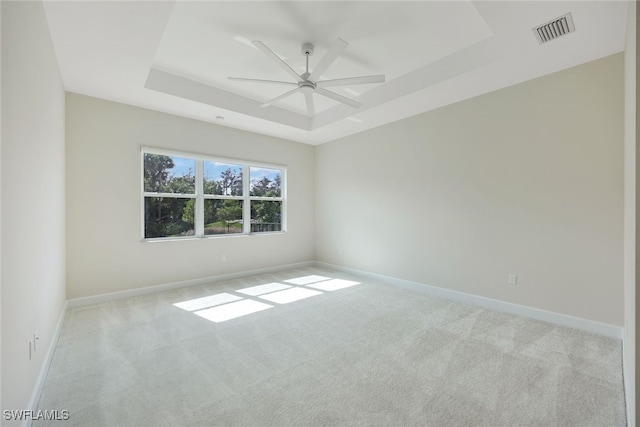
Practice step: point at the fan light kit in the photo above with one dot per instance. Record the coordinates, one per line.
(308, 83)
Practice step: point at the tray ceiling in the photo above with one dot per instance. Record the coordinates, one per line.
(176, 56)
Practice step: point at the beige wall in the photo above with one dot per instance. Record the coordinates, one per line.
(630, 190)
(1, 407)
(105, 252)
(33, 194)
(526, 180)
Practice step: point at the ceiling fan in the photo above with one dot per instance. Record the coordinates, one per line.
(308, 83)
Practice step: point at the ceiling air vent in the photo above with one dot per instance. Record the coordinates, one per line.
(554, 29)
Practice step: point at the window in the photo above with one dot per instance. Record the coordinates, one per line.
(266, 200)
(189, 195)
(223, 198)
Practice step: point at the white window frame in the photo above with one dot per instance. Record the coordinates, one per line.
(199, 195)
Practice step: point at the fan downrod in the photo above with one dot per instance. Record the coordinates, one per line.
(307, 86)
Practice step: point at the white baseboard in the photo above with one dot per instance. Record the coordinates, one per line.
(44, 369)
(97, 299)
(508, 307)
(605, 329)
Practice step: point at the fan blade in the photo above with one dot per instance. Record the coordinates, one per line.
(242, 79)
(339, 98)
(310, 108)
(276, 99)
(351, 81)
(338, 46)
(271, 54)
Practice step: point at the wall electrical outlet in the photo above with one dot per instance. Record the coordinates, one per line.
(513, 279)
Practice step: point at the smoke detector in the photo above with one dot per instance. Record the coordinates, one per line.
(555, 28)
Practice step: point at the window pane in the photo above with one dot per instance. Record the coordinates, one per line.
(222, 179)
(222, 216)
(169, 174)
(266, 216)
(265, 182)
(168, 217)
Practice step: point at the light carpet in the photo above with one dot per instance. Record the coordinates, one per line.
(343, 354)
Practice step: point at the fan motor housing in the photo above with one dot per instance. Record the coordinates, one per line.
(306, 87)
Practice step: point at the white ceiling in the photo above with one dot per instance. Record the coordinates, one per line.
(175, 57)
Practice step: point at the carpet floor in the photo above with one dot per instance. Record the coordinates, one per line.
(314, 347)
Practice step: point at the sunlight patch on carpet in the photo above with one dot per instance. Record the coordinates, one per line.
(333, 284)
(232, 310)
(290, 295)
(305, 280)
(208, 301)
(263, 289)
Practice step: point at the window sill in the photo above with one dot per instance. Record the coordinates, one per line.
(209, 237)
